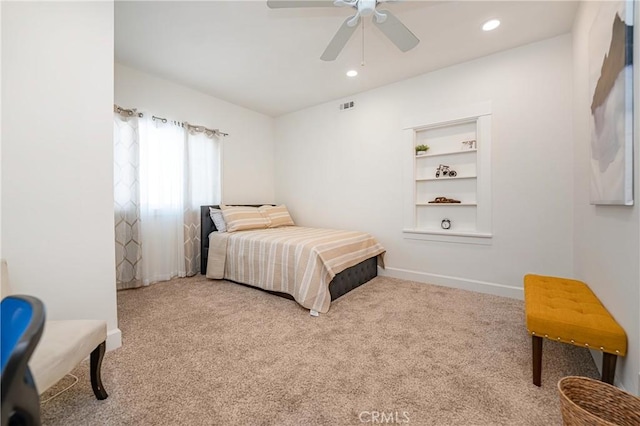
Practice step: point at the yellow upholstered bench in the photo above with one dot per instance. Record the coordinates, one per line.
(568, 311)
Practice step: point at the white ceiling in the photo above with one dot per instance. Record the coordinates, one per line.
(268, 60)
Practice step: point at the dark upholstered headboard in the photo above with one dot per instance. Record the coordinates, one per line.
(207, 227)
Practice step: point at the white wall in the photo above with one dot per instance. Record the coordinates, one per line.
(344, 168)
(57, 157)
(248, 150)
(606, 238)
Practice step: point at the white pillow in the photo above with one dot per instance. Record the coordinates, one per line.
(218, 219)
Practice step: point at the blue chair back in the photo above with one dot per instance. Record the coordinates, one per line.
(21, 328)
(16, 316)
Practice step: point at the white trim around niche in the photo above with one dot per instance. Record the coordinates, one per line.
(447, 116)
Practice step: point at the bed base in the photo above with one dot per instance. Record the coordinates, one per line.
(341, 284)
(353, 277)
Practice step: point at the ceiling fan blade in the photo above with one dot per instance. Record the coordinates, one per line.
(282, 4)
(396, 31)
(338, 41)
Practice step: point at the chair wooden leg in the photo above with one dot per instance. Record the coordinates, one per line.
(96, 366)
(536, 344)
(608, 367)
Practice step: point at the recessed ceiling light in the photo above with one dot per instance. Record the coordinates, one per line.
(352, 73)
(491, 25)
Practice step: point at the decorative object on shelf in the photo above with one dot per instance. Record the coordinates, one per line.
(421, 149)
(445, 224)
(444, 200)
(444, 170)
(468, 144)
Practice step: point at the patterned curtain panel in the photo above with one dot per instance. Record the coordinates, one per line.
(127, 201)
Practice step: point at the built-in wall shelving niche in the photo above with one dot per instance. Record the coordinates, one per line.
(456, 167)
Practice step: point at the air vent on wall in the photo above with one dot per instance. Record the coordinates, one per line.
(347, 105)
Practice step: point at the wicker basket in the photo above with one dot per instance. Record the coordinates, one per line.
(590, 402)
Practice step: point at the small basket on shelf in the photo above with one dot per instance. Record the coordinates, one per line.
(586, 401)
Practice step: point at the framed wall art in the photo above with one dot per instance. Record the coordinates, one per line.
(611, 91)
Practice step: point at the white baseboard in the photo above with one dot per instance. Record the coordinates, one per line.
(114, 339)
(455, 282)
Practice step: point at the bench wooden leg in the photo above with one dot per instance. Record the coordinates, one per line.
(536, 345)
(96, 366)
(608, 367)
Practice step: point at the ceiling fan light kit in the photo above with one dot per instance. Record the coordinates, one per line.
(390, 26)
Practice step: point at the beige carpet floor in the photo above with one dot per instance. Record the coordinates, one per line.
(201, 352)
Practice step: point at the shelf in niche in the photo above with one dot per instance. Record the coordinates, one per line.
(446, 178)
(437, 154)
(447, 204)
(458, 236)
(459, 233)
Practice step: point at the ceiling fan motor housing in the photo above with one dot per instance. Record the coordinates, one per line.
(366, 7)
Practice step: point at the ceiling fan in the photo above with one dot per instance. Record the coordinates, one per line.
(390, 26)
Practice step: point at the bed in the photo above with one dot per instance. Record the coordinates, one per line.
(214, 246)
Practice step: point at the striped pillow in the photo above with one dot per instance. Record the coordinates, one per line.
(240, 218)
(279, 215)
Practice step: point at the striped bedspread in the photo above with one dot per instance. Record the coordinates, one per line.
(292, 259)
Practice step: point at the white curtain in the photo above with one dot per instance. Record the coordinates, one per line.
(162, 166)
(202, 187)
(179, 170)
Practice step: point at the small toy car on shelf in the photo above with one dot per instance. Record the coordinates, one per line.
(445, 171)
